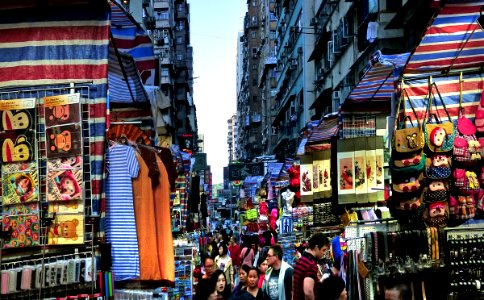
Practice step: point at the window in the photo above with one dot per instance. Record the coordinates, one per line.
(254, 50)
(254, 82)
(254, 67)
(179, 40)
(180, 57)
(253, 33)
(254, 3)
(254, 99)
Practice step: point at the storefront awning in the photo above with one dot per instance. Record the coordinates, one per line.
(129, 37)
(327, 129)
(454, 42)
(125, 84)
(378, 82)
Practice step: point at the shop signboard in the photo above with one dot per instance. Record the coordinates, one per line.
(240, 171)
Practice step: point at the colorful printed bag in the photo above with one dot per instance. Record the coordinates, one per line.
(407, 139)
(466, 146)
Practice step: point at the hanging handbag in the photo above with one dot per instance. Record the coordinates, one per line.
(407, 139)
(439, 136)
(465, 181)
(438, 167)
(479, 119)
(462, 207)
(467, 148)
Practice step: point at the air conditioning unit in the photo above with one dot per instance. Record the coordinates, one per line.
(336, 95)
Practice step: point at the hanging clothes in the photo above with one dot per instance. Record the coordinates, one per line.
(144, 209)
(120, 219)
(163, 224)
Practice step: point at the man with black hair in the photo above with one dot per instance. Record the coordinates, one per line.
(203, 290)
(278, 283)
(306, 268)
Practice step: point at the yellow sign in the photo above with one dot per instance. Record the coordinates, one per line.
(17, 104)
(61, 99)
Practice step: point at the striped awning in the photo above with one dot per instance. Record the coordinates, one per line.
(378, 82)
(125, 84)
(327, 129)
(64, 44)
(129, 37)
(453, 43)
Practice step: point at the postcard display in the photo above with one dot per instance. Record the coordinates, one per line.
(22, 184)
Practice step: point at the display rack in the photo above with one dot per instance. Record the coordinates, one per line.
(185, 258)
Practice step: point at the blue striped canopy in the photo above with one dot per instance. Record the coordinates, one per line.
(378, 82)
(131, 38)
(125, 84)
(453, 43)
(327, 129)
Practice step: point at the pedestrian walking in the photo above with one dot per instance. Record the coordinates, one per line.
(224, 263)
(262, 267)
(278, 283)
(306, 267)
(221, 287)
(203, 289)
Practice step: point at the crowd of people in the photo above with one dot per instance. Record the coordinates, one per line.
(255, 269)
(243, 272)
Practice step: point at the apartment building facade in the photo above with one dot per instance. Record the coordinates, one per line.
(312, 55)
(168, 23)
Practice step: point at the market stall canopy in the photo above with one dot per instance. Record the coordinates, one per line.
(125, 85)
(453, 43)
(129, 37)
(377, 84)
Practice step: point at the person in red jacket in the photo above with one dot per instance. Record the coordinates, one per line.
(234, 250)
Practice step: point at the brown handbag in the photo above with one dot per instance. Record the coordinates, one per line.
(407, 139)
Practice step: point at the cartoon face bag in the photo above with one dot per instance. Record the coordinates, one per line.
(407, 139)
(17, 146)
(439, 136)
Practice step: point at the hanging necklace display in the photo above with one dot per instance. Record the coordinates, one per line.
(64, 186)
(19, 170)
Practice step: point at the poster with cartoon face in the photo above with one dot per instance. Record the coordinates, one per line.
(18, 120)
(17, 146)
(65, 163)
(66, 229)
(20, 184)
(62, 114)
(24, 230)
(64, 185)
(64, 141)
(62, 109)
